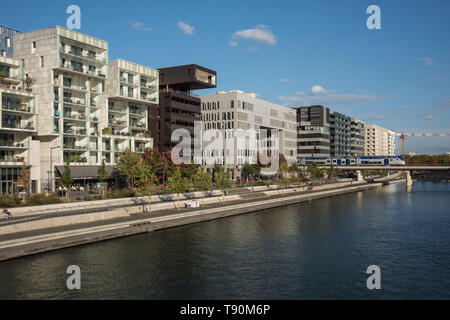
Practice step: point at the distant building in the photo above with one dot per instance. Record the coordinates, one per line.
(379, 141)
(313, 139)
(6, 41)
(234, 110)
(178, 107)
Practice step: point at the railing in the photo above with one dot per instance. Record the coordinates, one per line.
(18, 125)
(75, 116)
(17, 107)
(12, 144)
(12, 159)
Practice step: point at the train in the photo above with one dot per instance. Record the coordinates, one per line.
(360, 161)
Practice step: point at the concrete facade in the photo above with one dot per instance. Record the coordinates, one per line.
(132, 91)
(18, 126)
(379, 141)
(232, 111)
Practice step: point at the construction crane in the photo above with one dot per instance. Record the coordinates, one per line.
(415, 134)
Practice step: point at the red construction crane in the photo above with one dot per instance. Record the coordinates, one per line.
(417, 134)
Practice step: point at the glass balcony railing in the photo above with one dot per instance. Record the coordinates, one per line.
(23, 107)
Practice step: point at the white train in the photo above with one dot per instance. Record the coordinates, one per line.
(361, 161)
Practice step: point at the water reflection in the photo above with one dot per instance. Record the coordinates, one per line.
(318, 249)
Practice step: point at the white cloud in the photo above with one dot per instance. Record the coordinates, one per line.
(318, 90)
(285, 80)
(261, 33)
(140, 26)
(319, 95)
(233, 43)
(187, 29)
(427, 61)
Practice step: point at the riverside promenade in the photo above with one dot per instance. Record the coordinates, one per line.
(25, 236)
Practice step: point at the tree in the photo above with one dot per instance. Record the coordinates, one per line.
(28, 81)
(66, 177)
(283, 173)
(24, 178)
(222, 180)
(331, 172)
(145, 178)
(177, 184)
(103, 176)
(202, 181)
(249, 170)
(314, 170)
(127, 165)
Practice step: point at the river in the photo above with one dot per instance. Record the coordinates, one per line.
(315, 250)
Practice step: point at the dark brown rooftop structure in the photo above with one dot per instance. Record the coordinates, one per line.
(178, 106)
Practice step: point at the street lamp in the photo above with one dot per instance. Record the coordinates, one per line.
(50, 182)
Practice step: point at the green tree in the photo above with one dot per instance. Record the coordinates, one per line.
(202, 181)
(66, 178)
(177, 184)
(249, 170)
(145, 178)
(28, 81)
(103, 176)
(283, 171)
(127, 165)
(332, 172)
(314, 170)
(222, 180)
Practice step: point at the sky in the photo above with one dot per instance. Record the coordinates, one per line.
(292, 53)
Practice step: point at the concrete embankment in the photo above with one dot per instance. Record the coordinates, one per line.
(35, 218)
(26, 245)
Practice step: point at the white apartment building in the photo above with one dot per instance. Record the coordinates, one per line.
(235, 110)
(89, 110)
(17, 127)
(131, 90)
(379, 141)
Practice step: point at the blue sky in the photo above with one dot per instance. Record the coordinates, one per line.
(289, 52)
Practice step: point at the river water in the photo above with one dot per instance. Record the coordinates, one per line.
(315, 250)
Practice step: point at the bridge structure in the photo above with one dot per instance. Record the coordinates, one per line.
(406, 168)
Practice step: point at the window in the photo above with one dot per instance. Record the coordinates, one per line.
(33, 47)
(23, 63)
(8, 42)
(3, 53)
(42, 61)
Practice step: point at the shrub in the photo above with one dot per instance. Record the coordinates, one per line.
(9, 201)
(41, 199)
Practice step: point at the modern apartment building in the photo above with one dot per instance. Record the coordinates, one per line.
(233, 110)
(313, 139)
(357, 137)
(178, 106)
(17, 128)
(69, 71)
(6, 41)
(131, 90)
(340, 129)
(379, 141)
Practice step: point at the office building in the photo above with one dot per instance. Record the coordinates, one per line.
(178, 106)
(234, 110)
(340, 134)
(313, 139)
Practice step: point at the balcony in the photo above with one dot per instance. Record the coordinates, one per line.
(73, 147)
(75, 131)
(10, 144)
(79, 117)
(114, 122)
(12, 159)
(22, 107)
(18, 125)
